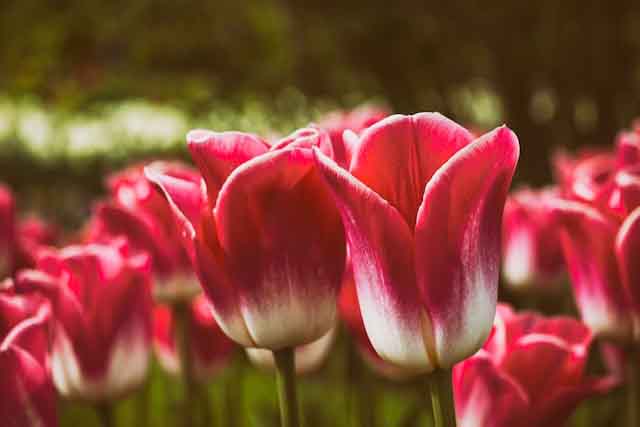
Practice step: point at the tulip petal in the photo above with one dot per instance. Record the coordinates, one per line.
(458, 235)
(399, 154)
(186, 199)
(217, 154)
(588, 244)
(628, 253)
(486, 396)
(284, 247)
(381, 250)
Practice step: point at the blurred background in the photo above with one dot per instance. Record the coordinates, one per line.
(86, 86)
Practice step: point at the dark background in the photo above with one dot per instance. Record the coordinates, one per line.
(563, 73)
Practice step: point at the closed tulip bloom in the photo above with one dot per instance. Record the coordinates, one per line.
(136, 210)
(530, 373)
(422, 208)
(211, 349)
(531, 251)
(28, 396)
(266, 237)
(102, 328)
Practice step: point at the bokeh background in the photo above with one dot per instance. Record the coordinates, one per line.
(79, 80)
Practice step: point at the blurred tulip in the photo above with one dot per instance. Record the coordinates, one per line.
(28, 396)
(266, 239)
(599, 220)
(211, 349)
(531, 251)
(354, 121)
(136, 210)
(530, 373)
(33, 234)
(422, 208)
(7, 231)
(102, 326)
(308, 357)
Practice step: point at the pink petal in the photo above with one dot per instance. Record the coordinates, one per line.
(399, 154)
(588, 244)
(186, 199)
(381, 253)
(628, 255)
(544, 363)
(485, 396)
(217, 154)
(284, 246)
(458, 235)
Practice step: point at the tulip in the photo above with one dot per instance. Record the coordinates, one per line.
(422, 205)
(529, 373)
(532, 254)
(102, 326)
(33, 234)
(211, 350)
(422, 208)
(7, 231)
(137, 210)
(28, 396)
(307, 358)
(266, 240)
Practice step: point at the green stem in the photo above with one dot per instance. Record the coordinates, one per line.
(106, 414)
(441, 390)
(362, 399)
(286, 379)
(183, 341)
(633, 387)
(142, 405)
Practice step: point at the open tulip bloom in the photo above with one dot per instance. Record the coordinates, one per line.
(28, 397)
(530, 373)
(102, 325)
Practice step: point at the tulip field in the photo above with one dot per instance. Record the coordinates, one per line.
(346, 267)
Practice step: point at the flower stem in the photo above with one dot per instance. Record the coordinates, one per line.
(286, 379)
(441, 390)
(183, 340)
(633, 387)
(106, 414)
(362, 394)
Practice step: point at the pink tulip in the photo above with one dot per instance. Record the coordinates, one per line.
(531, 250)
(530, 373)
(211, 349)
(266, 239)
(600, 232)
(422, 207)
(28, 397)
(102, 327)
(136, 210)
